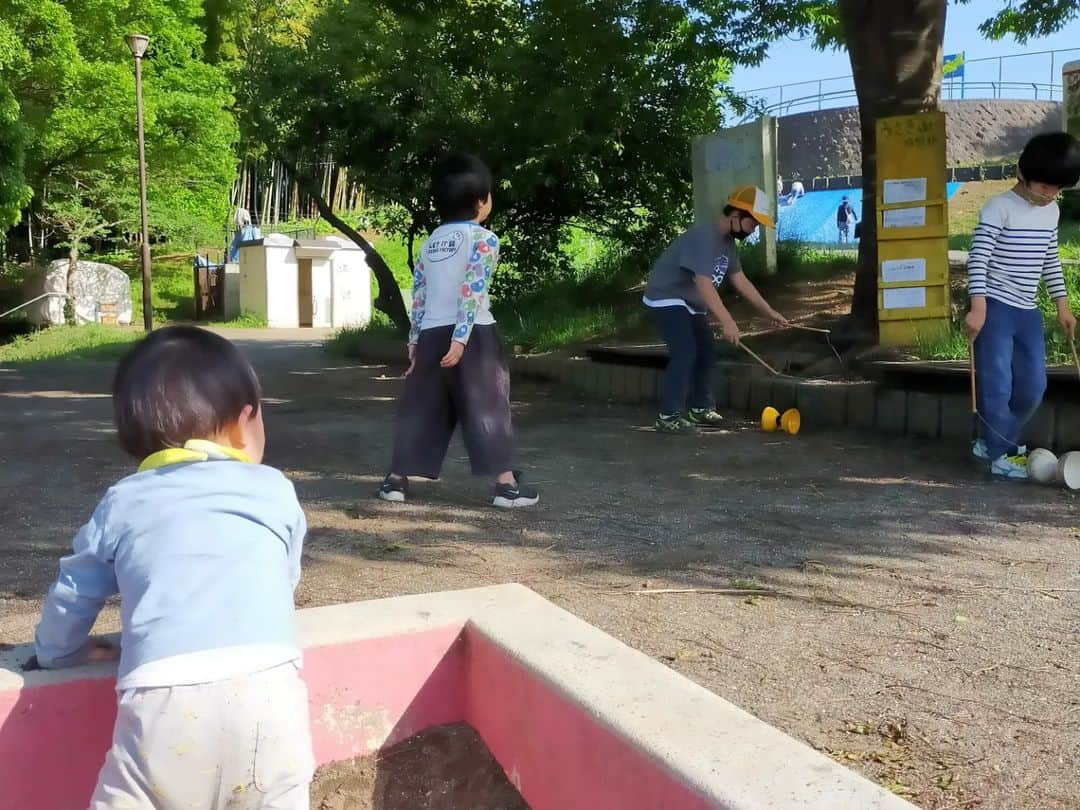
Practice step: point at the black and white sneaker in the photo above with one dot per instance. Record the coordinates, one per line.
(513, 496)
(393, 489)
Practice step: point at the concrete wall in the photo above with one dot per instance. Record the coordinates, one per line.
(737, 156)
(1070, 81)
(575, 718)
(828, 143)
(251, 280)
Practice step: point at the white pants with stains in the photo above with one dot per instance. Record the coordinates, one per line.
(240, 744)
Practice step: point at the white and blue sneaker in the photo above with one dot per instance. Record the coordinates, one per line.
(981, 452)
(1013, 468)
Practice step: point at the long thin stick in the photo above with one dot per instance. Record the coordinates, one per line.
(971, 373)
(975, 417)
(810, 328)
(750, 352)
(1076, 357)
(718, 591)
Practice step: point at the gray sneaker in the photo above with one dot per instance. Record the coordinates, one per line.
(674, 423)
(1014, 468)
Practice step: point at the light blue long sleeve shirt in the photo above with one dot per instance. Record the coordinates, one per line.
(204, 555)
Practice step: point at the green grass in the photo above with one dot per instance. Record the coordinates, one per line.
(245, 320)
(1068, 239)
(798, 261)
(548, 330)
(350, 342)
(90, 342)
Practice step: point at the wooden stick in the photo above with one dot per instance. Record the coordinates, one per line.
(751, 352)
(810, 328)
(1076, 357)
(971, 373)
(722, 591)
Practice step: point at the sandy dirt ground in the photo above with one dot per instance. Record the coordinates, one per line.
(922, 623)
(441, 768)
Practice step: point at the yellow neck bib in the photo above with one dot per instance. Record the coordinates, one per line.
(193, 450)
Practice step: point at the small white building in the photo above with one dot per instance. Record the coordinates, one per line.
(307, 283)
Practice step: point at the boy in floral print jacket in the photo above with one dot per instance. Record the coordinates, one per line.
(457, 369)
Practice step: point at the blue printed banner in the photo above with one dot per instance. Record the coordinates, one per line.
(953, 66)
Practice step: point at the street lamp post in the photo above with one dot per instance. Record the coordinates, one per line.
(138, 44)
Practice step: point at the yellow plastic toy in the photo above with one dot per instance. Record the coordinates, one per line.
(789, 421)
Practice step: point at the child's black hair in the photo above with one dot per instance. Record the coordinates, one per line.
(742, 212)
(458, 184)
(180, 383)
(1052, 158)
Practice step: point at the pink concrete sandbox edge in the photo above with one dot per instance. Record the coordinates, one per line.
(542, 687)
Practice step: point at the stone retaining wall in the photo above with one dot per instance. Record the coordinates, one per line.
(748, 389)
(827, 143)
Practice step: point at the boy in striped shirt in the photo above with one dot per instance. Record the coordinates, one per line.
(1014, 248)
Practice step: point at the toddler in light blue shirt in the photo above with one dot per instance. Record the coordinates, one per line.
(203, 546)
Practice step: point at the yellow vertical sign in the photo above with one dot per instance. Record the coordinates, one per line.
(912, 228)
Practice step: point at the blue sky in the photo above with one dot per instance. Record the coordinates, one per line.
(792, 60)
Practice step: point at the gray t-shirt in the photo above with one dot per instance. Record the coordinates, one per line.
(701, 251)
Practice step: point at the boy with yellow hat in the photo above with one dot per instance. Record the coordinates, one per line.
(682, 291)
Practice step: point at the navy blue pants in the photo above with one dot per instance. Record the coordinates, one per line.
(1010, 373)
(690, 379)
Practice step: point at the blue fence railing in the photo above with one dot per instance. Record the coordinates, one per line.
(1025, 76)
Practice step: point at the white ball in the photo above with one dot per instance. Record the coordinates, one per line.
(1042, 466)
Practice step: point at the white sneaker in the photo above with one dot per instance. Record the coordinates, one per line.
(982, 452)
(1013, 468)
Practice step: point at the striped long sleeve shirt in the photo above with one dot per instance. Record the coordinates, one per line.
(1014, 247)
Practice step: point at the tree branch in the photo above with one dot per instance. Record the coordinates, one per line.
(389, 299)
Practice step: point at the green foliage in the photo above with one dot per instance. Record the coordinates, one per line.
(388, 88)
(14, 134)
(76, 98)
(1030, 18)
(75, 222)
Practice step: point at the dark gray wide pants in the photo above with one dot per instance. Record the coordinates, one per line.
(475, 394)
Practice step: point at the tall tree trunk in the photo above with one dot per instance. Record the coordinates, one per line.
(73, 266)
(413, 229)
(895, 49)
(213, 27)
(332, 196)
(30, 235)
(389, 299)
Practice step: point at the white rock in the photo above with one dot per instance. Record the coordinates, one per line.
(92, 285)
